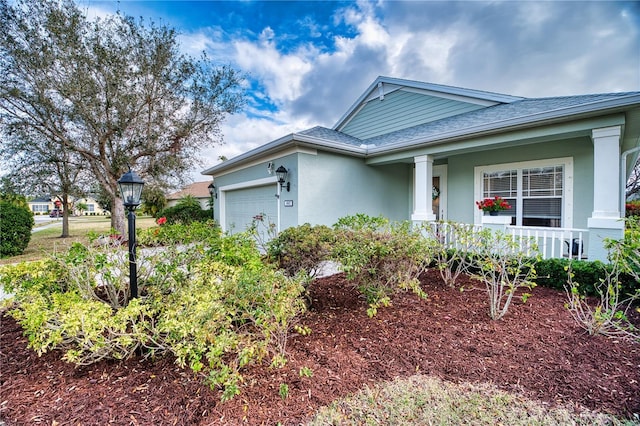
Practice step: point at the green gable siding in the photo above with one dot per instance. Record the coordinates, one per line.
(400, 110)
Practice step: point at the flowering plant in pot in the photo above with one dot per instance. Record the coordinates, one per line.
(493, 205)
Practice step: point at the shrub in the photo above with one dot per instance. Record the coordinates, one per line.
(301, 248)
(16, 223)
(502, 265)
(216, 307)
(186, 211)
(381, 258)
(632, 209)
(452, 246)
(179, 233)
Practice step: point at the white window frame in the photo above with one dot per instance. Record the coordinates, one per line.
(567, 197)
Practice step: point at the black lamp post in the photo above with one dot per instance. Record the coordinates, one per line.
(131, 189)
(212, 192)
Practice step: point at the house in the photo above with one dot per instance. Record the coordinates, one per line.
(197, 190)
(418, 151)
(45, 205)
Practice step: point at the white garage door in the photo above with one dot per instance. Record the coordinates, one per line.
(242, 205)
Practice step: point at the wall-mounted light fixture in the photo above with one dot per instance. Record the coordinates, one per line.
(212, 190)
(270, 168)
(281, 172)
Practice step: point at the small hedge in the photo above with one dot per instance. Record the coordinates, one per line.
(16, 224)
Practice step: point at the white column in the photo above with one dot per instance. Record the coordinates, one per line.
(606, 173)
(605, 221)
(422, 184)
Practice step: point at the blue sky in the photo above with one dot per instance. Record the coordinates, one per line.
(308, 61)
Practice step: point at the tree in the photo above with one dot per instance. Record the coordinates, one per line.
(114, 91)
(633, 183)
(41, 166)
(154, 200)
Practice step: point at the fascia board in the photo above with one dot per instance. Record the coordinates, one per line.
(552, 116)
(279, 145)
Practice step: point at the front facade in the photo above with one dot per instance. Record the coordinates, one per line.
(45, 205)
(416, 151)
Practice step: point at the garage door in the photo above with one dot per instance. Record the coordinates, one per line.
(242, 205)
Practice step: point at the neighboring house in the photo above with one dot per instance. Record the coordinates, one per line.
(417, 151)
(198, 190)
(44, 205)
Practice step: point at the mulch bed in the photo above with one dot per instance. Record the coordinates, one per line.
(536, 350)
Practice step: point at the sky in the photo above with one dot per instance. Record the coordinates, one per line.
(307, 62)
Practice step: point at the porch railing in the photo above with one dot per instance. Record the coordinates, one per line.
(554, 242)
(551, 242)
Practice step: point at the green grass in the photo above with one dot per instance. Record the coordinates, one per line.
(46, 240)
(423, 400)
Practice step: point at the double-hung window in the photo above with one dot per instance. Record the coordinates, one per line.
(539, 192)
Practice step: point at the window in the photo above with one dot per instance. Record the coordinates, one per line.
(536, 191)
(40, 208)
(91, 208)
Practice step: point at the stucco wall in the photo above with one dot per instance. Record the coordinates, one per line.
(332, 186)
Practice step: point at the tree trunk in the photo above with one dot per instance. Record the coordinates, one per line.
(65, 216)
(118, 221)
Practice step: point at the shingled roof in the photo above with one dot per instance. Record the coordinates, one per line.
(197, 190)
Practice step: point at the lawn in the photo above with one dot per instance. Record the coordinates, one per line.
(45, 238)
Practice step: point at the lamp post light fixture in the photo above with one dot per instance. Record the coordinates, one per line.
(281, 173)
(131, 189)
(212, 192)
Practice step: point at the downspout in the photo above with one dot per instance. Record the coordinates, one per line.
(623, 177)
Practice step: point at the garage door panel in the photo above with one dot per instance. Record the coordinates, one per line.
(242, 205)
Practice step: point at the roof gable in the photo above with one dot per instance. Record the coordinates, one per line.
(391, 104)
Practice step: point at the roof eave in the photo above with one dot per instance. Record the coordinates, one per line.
(292, 139)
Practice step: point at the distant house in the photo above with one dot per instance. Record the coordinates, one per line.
(198, 190)
(418, 151)
(45, 205)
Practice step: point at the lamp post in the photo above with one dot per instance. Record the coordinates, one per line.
(131, 189)
(212, 192)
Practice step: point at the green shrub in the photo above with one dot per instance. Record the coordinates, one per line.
(501, 263)
(214, 306)
(179, 233)
(186, 211)
(16, 223)
(381, 258)
(554, 273)
(301, 248)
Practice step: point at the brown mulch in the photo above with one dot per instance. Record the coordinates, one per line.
(536, 350)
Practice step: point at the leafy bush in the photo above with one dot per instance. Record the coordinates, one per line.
(632, 209)
(452, 245)
(381, 258)
(16, 223)
(301, 248)
(502, 265)
(179, 233)
(186, 211)
(214, 306)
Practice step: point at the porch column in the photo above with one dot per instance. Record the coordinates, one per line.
(605, 218)
(422, 183)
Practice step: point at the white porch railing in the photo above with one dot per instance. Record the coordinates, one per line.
(551, 242)
(554, 242)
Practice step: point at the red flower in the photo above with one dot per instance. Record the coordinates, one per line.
(161, 220)
(493, 204)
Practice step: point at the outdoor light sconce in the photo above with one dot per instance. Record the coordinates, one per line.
(212, 190)
(281, 172)
(131, 189)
